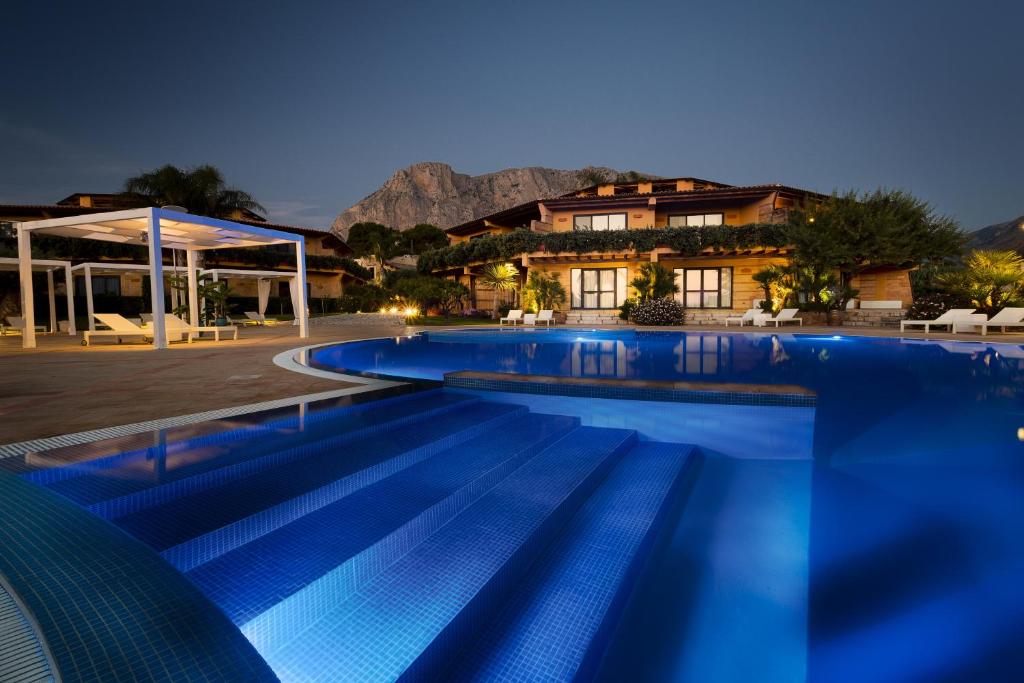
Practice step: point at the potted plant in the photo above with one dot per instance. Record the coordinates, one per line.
(216, 294)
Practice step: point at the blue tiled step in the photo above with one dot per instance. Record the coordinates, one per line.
(343, 544)
(555, 623)
(129, 485)
(307, 484)
(414, 615)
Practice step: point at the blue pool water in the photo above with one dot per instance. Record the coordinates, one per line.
(453, 534)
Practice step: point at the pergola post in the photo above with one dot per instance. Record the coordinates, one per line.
(89, 309)
(53, 301)
(28, 311)
(193, 287)
(300, 284)
(69, 285)
(156, 279)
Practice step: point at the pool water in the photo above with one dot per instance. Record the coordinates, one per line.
(452, 534)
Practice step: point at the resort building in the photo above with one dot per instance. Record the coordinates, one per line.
(328, 259)
(715, 277)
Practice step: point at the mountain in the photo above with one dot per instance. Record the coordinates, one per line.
(432, 192)
(1008, 235)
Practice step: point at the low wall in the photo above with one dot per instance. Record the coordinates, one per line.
(378, 319)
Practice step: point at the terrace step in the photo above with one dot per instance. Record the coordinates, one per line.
(243, 509)
(411, 618)
(556, 621)
(381, 523)
(111, 487)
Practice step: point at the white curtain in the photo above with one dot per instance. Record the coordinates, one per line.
(263, 293)
(293, 289)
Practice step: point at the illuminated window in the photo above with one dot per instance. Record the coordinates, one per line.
(600, 221)
(696, 220)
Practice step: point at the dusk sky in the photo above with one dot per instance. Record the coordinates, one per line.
(311, 106)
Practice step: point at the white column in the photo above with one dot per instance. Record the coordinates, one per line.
(69, 285)
(156, 279)
(28, 302)
(89, 309)
(193, 288)
(300, 275)
(53, 301)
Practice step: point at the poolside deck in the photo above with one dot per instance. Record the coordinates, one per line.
(61, 387)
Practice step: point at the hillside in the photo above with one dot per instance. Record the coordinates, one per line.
(1008, 235)
(432, 192)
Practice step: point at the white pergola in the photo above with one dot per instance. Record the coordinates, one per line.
(99, 268)
(48, 267)
(156, 229)
(217, 274)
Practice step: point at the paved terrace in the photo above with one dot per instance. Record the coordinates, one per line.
(61, 387)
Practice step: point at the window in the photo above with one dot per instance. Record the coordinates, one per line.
(696, 220)
(598, 287)
(600, 221)
(102, 285)
(704, 287)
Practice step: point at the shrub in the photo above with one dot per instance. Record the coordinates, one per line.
(659, 312)
(626, 309)
(362, 298)
(929, 306)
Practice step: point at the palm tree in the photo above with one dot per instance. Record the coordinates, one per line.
(654, 282)
(990, 279)
(501, 277)
(201, 190)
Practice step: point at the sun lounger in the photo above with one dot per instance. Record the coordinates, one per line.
(15, 322)
(746, 318)
(1008, 317)
(260, 319)
(242, 322)
(784, 316)
(119, 327)
(178, 326)
(547, 317)
(514, 317)
(530, 319)
(945, 320)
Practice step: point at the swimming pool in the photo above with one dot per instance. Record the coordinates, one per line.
(867, 529)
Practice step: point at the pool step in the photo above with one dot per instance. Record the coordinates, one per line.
(111, 489)
(229, 515)
(381, 523)
(414, 615)
(555, 624)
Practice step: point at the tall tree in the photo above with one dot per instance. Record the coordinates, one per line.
(202, 190)
(423, 237)
(850, 233)
(376, 242)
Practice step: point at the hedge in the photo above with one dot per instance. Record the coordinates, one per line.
(687, 241)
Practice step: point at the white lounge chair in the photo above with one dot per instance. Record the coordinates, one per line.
(746, 318)
(1008, 317)
(547, 317)
(119, 327)
(16, 322)
(176, 325)
(786, 315)
(514, 317)
(945, 320)
(530, 319)
(234, 320)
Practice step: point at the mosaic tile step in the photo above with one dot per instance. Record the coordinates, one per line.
(321, 477)
(555, 624)
(415, 614)
(108, 485)
(328, 554)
